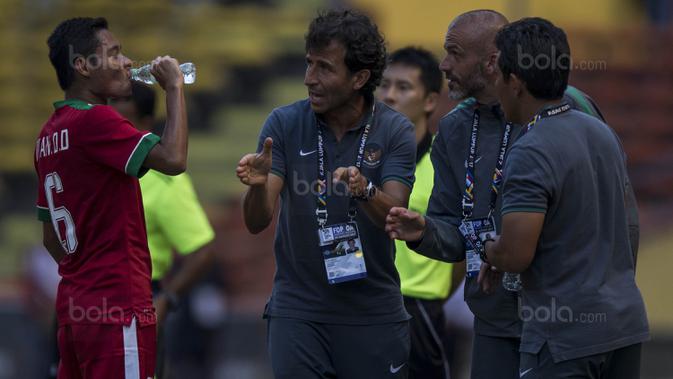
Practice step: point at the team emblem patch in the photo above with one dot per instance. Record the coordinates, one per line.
(373, 153)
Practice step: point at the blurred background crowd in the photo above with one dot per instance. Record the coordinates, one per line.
(249, 56)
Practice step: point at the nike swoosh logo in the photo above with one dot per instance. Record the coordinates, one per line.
(303, 154)
(394, 370)
(523, 373)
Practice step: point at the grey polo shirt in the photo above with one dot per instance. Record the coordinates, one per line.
(579, 294)
(495, 314)
(300, 287)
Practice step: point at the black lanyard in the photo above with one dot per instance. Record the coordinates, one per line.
(321, 209)
(547, 113)
(468, 195)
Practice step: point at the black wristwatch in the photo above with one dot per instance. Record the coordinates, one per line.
(370, 192)
(482, 253)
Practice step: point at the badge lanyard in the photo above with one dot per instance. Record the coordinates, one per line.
(321, 209)
(548, 113)
(468, 195)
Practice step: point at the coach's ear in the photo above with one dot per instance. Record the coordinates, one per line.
(516, 85)
(360, 78)
(430, 103)
(491, 64)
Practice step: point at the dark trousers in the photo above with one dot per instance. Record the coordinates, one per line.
(428, 359)
(621, 363)
(495, 357)
(310, 350)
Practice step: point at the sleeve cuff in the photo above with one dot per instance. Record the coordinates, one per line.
(134, 166)
(426, 242)
(400, 179)
(523, 208)
(278, 173)
(43, 214)
(197, 243)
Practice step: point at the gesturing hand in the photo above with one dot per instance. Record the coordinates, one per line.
(405, 225)
(357, 183)
(253, 169)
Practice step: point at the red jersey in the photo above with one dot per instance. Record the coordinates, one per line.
(88, 159)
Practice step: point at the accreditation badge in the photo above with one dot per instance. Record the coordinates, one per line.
(341, 248)
(474, 231)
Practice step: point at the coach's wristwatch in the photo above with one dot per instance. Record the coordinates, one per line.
(482, 254)
(370, 192)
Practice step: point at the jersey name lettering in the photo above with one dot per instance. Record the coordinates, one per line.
(50, 145)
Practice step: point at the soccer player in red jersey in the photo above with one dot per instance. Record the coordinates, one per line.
(88, 159)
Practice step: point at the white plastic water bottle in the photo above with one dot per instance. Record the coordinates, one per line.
(143, 74)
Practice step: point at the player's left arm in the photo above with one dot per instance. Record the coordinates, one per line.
(514, 249)
(51, 242)
(169, 155)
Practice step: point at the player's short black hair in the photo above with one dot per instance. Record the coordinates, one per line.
(143, 98)
(72, 38)
(537, 52)
(365, 46)
(431, 76)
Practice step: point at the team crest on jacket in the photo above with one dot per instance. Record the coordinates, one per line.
(372, 156)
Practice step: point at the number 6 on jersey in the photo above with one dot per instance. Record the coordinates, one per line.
(53, 181)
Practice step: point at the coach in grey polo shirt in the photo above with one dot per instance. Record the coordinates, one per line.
(471, 65)
(300, 286)
(319, 327)
(564, 224)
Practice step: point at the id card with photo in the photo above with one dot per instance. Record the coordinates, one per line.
(472, 260)
(342, 251)
(472, 229)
